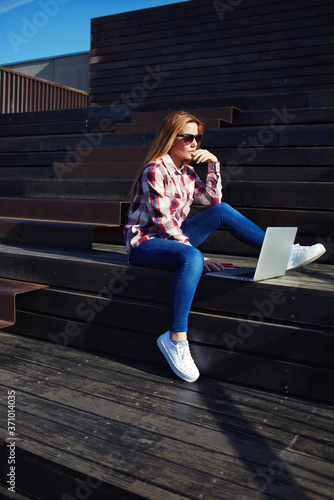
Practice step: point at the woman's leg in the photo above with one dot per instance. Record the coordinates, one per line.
(201, 225)
(186, 262)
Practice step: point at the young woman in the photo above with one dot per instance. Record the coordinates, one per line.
(159, 235)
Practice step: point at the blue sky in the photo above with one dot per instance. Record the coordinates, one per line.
(34, 29)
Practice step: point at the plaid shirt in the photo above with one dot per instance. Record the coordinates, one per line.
(163, 199)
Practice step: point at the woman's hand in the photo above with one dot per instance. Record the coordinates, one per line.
(212, 265)
(202, 155)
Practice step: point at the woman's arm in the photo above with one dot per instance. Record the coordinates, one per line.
(209, 193)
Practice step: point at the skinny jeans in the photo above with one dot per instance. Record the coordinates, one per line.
(187, 261)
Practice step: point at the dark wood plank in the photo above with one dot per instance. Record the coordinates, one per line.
(47, 234)
(287, 195)
(232, 333)
(257, 7)
(88, 211)
(93, 171)
(106, 170)
(246, 154)
(54, 116)
(33, 159)
(306, 293)
(297, 116)
(68, 127)
(229, 431)
(67, 189)
(289, 173)
(307, 136)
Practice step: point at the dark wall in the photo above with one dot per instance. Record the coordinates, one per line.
(199, 49)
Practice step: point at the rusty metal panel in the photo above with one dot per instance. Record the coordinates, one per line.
(8, 291)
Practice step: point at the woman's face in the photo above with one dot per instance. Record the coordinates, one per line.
(181, 151)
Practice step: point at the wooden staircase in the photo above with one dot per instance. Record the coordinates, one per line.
(61, 226)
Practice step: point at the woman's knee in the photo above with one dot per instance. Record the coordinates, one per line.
(193, 258)
(223, 207)
(225, 210)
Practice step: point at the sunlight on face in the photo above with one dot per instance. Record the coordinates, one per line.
(180, 151)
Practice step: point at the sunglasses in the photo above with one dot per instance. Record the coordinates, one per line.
(188, 138)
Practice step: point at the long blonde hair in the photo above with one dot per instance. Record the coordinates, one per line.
(163, 141)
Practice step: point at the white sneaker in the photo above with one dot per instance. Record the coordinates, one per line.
(304, 255)
(179, 358)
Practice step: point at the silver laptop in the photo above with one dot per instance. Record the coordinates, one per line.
(273, 260)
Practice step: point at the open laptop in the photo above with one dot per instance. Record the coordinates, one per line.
(273, 260)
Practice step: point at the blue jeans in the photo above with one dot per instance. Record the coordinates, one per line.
(187, 261)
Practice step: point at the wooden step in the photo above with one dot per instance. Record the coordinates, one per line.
(69, 189)
(215, 113)
(150, 121)
(8, 291)
(133, 154)
(93, 169)
(84, 212)
(154, 126)
(54, 235)
(276, 117)
(261, 138)
(61, 116)
(54, 128)
(287, 195)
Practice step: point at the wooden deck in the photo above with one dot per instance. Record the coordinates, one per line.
(109, 428)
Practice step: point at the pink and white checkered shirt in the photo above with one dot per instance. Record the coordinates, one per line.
(163, 199)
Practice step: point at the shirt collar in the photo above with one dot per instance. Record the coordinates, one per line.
(168, 162)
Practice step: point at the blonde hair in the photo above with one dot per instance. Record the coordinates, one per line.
(163, 141)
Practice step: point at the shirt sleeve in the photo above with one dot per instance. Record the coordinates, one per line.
(210, 192)
(159, 204)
